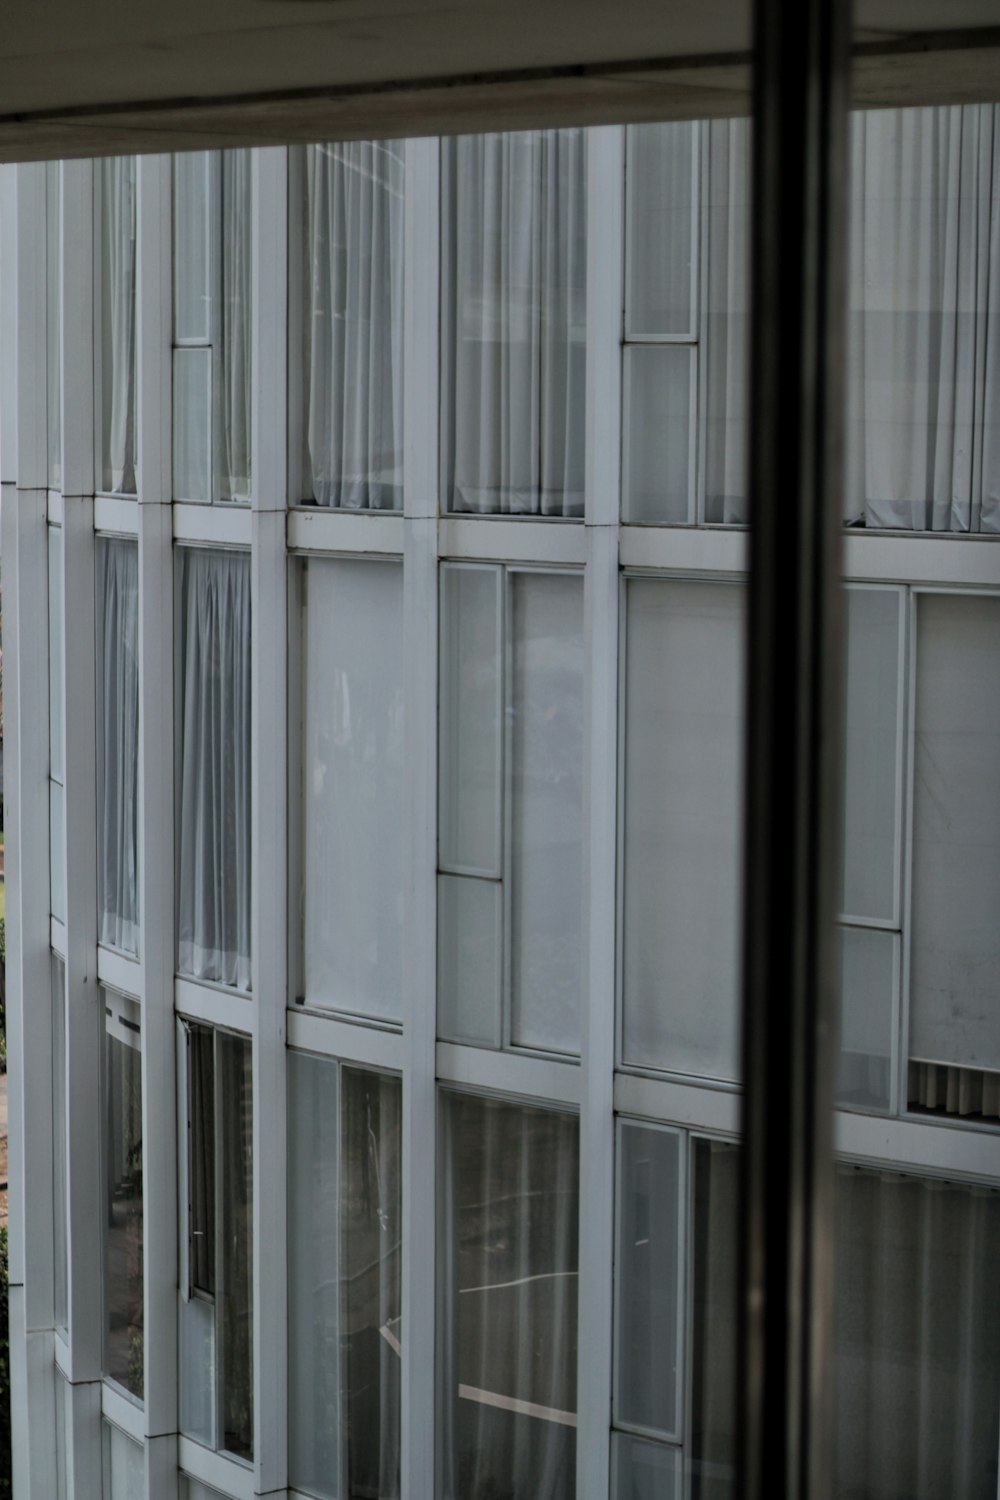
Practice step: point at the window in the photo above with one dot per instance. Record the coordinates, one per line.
(344, 1289)
(211, 360)
(213, 774)
(509, 1295)
(350, 323)
(57, 738)
(123, 1240)
(352, 786)
(216, 1334)
(53, 319)
(124, 1466)
(118, 744)
(514, 280)
(115, 349)
(510, 896)
(60, 1181)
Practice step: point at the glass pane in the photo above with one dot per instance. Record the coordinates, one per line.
(683, 716)
(470, 709)
(868, 979)
(236, 1258)
(53, 319)
(954, 969)
(60, 1184)
(213, 792)
(645, 1471)
(118, 744)
(510, 1306)
(514, 280)
(193, 1489)
(648, 1280)
(57, 670)
(62, 1397)
(660, 229)
(546, 748)
(352, 323)
(193, 424)
(353, 787)
(715, 1271)
(124, 1466)
(871, 855)
(192, 275)
(658, 454)
(726, 298)
(235, 332)
(201, 1159)
(469, 960)
(57, 850)
(116, 279)
(197, 1370)
(123, 1240)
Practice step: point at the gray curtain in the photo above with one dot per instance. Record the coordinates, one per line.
(118, 744)
(117, 273)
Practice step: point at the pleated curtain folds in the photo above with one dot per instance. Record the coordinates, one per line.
(118, 744)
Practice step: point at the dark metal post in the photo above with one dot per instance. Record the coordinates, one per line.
(793, 744)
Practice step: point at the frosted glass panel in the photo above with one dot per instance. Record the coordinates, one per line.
(124, 1466)
(645, 1471)
(955, 959)
(684, 700)
(868, 980)
(661, 200)
(870, 759)
(192, 285)
(470, 686)
(469, 960)
(546, 739)
(197, 1372)
(193, 424)
(658, 452)
(57, 850)
(647, 1279)
(57, 686)
(353, 787)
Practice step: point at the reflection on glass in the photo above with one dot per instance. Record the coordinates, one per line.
(509, 1301)
(123, 1240)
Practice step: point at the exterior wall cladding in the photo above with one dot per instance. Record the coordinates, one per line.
(379, 513)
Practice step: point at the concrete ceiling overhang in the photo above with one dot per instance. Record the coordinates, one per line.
(133, 75)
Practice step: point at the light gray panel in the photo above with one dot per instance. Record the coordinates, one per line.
(192, 275)
(193, 424)
(643, 1470)
(469, 960)
(658, 433)
(870, 760)
(660, 211)
(469, 696)
(868, 976)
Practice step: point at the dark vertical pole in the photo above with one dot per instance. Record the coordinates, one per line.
(793, 744)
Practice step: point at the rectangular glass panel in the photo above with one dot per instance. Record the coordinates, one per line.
(715, 1273)
(546, 748)
(60, 1183)
(470, 959)
(193, 1489)
(954, 957)
(57, 671)
(192, 245)
(124, 1466)
(118, 744)
(57, 850)
(353, 787)
(116, 279)
(62, 1397)
(201, 1159)
(197, 1370)
(683, 715)
(470, 711)
(510, 1302)
(868, 987)
(193, 424)
(123, 1237)
(53, 318)
(648, 1280)
(236, 1258)
(726, 308)
(658, 486)
(643, 1470)
(660, 208)
(235, 350)
(871, 851)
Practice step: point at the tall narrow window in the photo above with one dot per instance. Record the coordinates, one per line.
(124, 1466)
(213, 780)
(509, 1301)
(514, 289)
(116, 347)
(352, 197)
(353, 787)
(60, 1180)
(216, 1334)
(53, 319)
(123, 1240)
(344, 1278)
(118, 744)
(57, 739)
(212, 329)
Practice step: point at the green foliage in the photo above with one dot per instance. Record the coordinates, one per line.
(5, 1461)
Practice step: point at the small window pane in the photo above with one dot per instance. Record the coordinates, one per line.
(353, 787)
(469, 960)
(116, 280)
(868, 976)
(123, 1242)
(53, 318)
(60, 1183)
(546, 736)
(124, 1466)
(63, 1395)
(197, 1370)
(470, 707)
(193, 1489)
(715, 1271)
(660, 228)
(192, 275)
(193, 424)
(870, 756)
(57, 671)
(658, 453)
(118, 744)
(235, 326)
(726, 298)
(510, 1299)
(57, 850)
(645, 1471)
(683, 747)
(648, 1280)
(236, 1259)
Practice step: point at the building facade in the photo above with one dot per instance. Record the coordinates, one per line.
(379, 512)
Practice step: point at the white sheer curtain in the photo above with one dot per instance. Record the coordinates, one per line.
(234, 457)
(510, 1246)
(352, 324)
(118, 744)
(117, 273)
(213, 825)
(514, 279)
